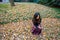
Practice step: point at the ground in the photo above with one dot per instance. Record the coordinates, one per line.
(15, 22)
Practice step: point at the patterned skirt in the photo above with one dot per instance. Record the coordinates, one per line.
(36, 31)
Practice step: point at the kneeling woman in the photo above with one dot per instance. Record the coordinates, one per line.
(36, 29)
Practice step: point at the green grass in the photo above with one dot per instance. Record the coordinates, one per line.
(3, 8)
(3, 5)
(57, 12)
(7, 16)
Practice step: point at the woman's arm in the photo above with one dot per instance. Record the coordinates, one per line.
(40, 26)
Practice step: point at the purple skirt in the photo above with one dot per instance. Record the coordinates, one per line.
(36, 31)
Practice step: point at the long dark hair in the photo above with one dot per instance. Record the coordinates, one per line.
(34, 20)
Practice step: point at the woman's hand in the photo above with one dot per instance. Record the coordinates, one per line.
(39, 27)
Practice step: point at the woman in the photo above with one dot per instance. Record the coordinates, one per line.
(36, 29)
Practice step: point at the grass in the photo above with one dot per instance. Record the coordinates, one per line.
(58, 12)
(3, 5)
(3, 8)
(17, 22)
(24, 11)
